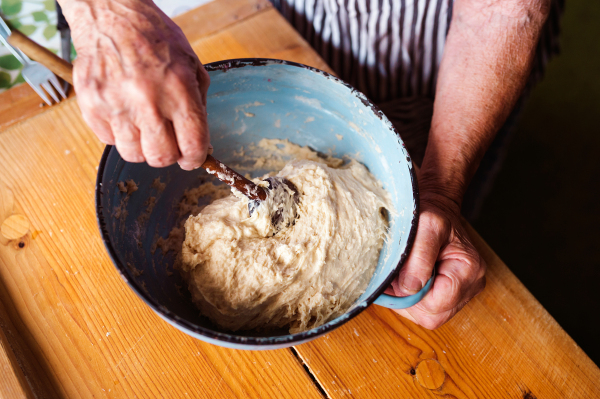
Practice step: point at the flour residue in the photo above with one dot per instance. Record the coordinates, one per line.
(158, 185)
(189, 202)
(271, 155)
(120, 211)
(244, 109)
(313, 102)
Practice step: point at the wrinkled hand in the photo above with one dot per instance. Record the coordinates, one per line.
(139, 84)
(442, 241)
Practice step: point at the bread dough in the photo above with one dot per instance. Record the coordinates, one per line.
(243, 277)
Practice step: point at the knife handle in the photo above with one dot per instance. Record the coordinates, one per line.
(61, 22)
(42, 55)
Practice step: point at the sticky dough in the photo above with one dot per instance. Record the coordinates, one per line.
(243, 278)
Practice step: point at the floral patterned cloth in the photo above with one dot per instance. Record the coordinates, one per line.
(37, 19)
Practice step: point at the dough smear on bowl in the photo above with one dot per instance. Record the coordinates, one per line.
(242, 277)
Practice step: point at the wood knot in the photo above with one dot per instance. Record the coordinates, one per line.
(529, 395)
(430, 374)
(14, 227)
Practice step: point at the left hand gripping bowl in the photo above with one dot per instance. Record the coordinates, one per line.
(280, 91)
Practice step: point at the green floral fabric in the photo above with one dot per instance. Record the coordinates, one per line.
(36, 19)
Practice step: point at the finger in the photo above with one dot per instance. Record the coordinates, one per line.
(404, 313)
(90, 102)
(433, 321)
(191, 131)
(449, 288)
(447, 296)
(430, 322)
(203, 82)
(473, 267)
(432, 234)
(158, 143)
(98, 124)
(127, 138)
(101, 129)
(424, 314)
(189, 115)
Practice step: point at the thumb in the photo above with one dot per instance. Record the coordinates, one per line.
(432, 234)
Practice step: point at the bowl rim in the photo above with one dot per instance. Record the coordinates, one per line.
(248, 341)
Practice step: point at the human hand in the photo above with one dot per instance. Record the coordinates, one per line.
(442, 241)
(139, 84)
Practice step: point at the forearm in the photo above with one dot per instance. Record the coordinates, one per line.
(80, 13)
(127, 24)
(487, 60)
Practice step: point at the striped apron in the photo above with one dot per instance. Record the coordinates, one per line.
(391, 51)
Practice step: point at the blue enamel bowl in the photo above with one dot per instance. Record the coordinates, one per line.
(281, 100)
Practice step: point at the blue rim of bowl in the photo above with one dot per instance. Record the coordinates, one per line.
(242, 340)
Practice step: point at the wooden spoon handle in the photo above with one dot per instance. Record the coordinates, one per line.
(234, 179)
(42, 55)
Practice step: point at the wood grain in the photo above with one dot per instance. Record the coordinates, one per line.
(252, 37)
(14, 227)
(82, 329)
(19, 103)
(90, 334)
(503, 344)
(219, 16)
(12, 379)
(79, 331)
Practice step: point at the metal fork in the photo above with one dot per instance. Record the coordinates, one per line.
(38, 76)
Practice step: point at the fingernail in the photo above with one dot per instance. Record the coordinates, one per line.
(186, 166)
(411, 283)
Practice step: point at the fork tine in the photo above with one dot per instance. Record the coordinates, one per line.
(56, 84)
(40, 93)
(50, 91)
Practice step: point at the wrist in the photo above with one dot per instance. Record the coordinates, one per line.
(88, 16)
(83, 17)
(454, 151)
(66, 4)
(444, 175)
(439, 196)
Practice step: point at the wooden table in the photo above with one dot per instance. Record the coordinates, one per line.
(72, 328)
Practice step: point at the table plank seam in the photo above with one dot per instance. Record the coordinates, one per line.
(309, 372)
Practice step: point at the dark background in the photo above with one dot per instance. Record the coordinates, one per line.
(543, 215)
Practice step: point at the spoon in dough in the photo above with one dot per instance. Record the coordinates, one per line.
(283, 199)
(282, 203)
